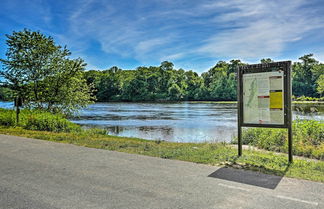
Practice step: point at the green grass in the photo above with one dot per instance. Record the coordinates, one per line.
(37, 120)
(308, 102)
(308, 138)
(311, 99)
(205, 153)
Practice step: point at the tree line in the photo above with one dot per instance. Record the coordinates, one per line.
(164, 83)
(40, 74)
(219, 83)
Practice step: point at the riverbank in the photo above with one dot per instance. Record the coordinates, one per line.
(308, 138)
(205, 153)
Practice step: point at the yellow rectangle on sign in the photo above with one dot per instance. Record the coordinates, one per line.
(276, 100)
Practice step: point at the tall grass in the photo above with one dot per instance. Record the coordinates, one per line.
(303, 98)
(7, 117)
(308, 138)
(37, 120)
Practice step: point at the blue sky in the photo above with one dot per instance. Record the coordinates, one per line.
(192, 34)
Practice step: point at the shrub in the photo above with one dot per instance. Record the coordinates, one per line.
(37, 120)
(308, 138)
(45, 121)
(7, 117)
(303, 98)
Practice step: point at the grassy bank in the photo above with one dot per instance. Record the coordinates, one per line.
(37, 120)
(45, 126)
(308, 139)
(206, 153)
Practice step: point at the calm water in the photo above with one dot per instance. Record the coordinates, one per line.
(182, 122)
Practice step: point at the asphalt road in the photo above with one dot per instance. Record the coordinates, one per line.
(40, 174)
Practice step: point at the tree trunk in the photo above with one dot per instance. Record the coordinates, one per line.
(17, 111)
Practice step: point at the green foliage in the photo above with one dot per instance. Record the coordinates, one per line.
(308, 138)
(320, 84)
(303, 98)
(44, 121)
(5, 94)
(164, 83)
(109, 84)
(38, 120)
(220, 81)
(66, 91)
(266, 60)
(40, 72)
(7, 117)
(305, 75)
(175, 92)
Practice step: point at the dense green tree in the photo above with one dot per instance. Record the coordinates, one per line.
(164, 83)
(26, 63)
(233, 66)
(137, 89)
(266, 60)
(40, 72)
(320, 84)
(5, 94)
(66, 91)
(175, 92)
(194, 85)
(220, 80)
(166, 65)
(111, 84)
(304, 81)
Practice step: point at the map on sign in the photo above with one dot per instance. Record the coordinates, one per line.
(263, 98)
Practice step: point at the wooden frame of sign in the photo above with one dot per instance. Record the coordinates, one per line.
(264, 98)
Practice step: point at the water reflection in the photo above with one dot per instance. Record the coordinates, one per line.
(314, 110)
(168, 133)
(182, 122)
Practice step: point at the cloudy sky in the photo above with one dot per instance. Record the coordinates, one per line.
(192, 34)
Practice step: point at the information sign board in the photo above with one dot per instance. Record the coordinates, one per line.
(264, 96)
(263, 100)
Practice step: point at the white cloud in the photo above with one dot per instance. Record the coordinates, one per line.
(129, 35)
(172, 57)
(262, 28)
(319, 56)
(147, 49)
(154, 31)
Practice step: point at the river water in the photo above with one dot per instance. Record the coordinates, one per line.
(181, 122)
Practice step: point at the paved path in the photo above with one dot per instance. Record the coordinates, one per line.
(40, 174)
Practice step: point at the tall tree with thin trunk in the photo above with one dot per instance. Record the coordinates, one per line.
(32, 68)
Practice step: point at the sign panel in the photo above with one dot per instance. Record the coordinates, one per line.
(264, 93)
(263, 98)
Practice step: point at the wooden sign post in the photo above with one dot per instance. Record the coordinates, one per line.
(264, 98)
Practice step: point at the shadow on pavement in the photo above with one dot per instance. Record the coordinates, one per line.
(247, 177)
